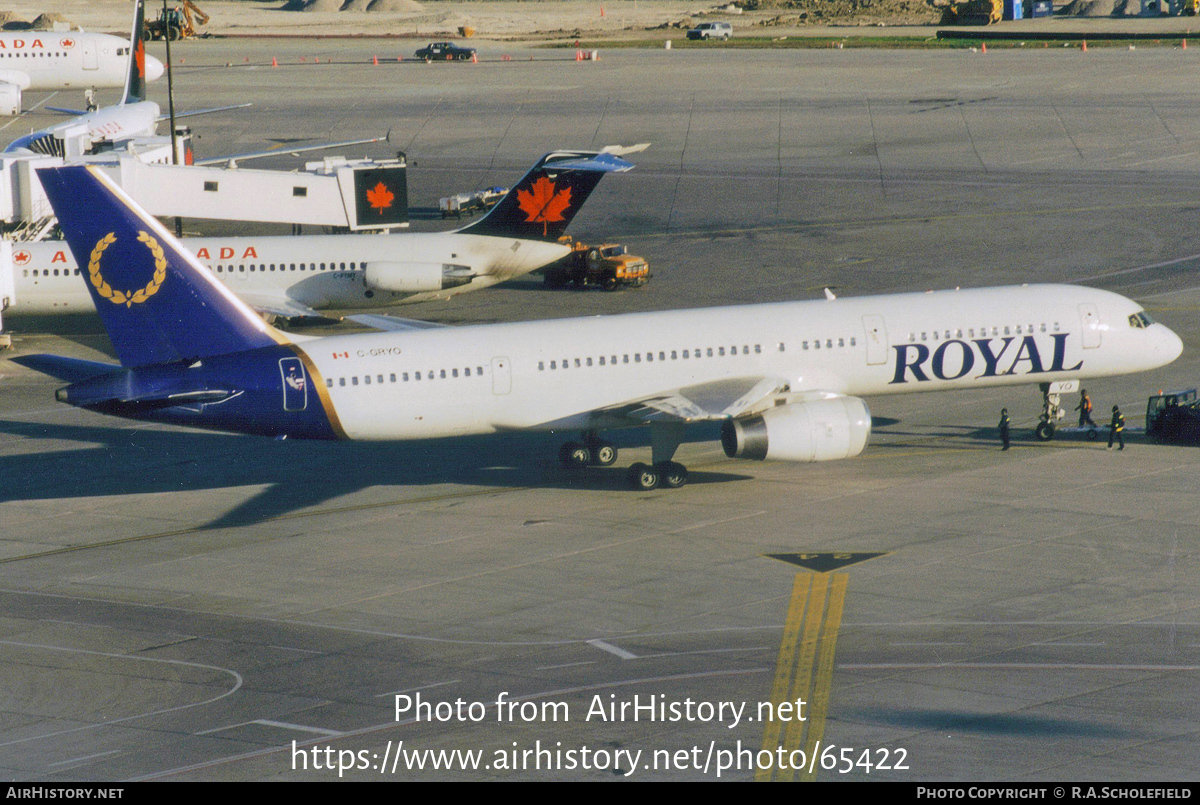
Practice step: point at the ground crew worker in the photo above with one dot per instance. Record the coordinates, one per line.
(1117, 429)
(1085, 409)
(1003, 427)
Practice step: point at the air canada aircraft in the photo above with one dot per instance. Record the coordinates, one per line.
(48, 60)
(784, 378)
(296, 276)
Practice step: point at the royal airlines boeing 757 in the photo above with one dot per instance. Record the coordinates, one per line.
(784, 378)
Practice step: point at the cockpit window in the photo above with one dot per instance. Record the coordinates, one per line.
(1140, 320)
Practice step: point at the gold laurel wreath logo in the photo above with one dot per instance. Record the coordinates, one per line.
(127, 298)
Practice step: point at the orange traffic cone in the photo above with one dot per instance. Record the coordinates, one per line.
(1185, 44)
(274, 62)
(1085, 46)
(474, 58)
(375, 60)
(601, 11)
(984, 45)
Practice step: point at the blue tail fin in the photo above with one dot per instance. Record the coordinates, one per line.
(542, 204)
(135, 80)
(158, 304)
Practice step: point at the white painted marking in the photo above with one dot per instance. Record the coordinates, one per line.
(299, 727)
(564, 665)
(85, 757)
(418, 687)
(611, 649)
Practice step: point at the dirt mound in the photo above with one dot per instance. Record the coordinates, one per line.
(1102, 8)
(384, 6)
(45, 22)
(823, 12)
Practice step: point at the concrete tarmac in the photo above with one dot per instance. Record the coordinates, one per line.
(188, 606)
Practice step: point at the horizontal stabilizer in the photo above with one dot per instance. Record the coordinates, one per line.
(71, 370)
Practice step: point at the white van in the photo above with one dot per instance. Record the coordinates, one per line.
(711, 30)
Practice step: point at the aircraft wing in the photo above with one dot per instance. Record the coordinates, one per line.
(720, 399)
(233, 159)
(393, 323)
(282, 306)
(194, 112)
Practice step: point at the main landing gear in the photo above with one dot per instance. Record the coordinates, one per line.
(665, 437)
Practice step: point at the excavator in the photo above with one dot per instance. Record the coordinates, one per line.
(974, 12)
(176, 23)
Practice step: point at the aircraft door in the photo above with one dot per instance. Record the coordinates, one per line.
(877, 340)
(501, 376)
(90, 62)
(295, 384)
(1089, 317)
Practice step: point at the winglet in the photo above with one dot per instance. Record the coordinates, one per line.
(158, 304)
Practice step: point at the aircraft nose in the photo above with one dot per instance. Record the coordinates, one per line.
(154, 68)
(1170, 345)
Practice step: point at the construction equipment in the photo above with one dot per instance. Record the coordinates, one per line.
(974, 12)
(609, 266)
(176, 23)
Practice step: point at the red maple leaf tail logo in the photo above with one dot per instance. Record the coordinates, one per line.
(380, 198)
(544, 205)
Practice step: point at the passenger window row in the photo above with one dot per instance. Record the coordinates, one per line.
(45, 272)
(404, 377)
(222, 268)
(984, 332)
(651, 357)
(828, 343)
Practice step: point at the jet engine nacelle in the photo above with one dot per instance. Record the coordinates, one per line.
(10, 98)
(821, 430)
(416, 277)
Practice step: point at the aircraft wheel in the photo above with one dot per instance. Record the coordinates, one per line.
(604, 454)
(643, 477)
(674, 474)
(1045, 431)
(574, 455)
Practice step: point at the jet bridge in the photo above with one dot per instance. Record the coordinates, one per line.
(356, 194)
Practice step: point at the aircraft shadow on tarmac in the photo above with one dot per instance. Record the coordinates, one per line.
(299, 474)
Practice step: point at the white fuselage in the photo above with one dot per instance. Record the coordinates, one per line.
(321, 272)
(47, 60)
(112, 123)
(569, 373)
